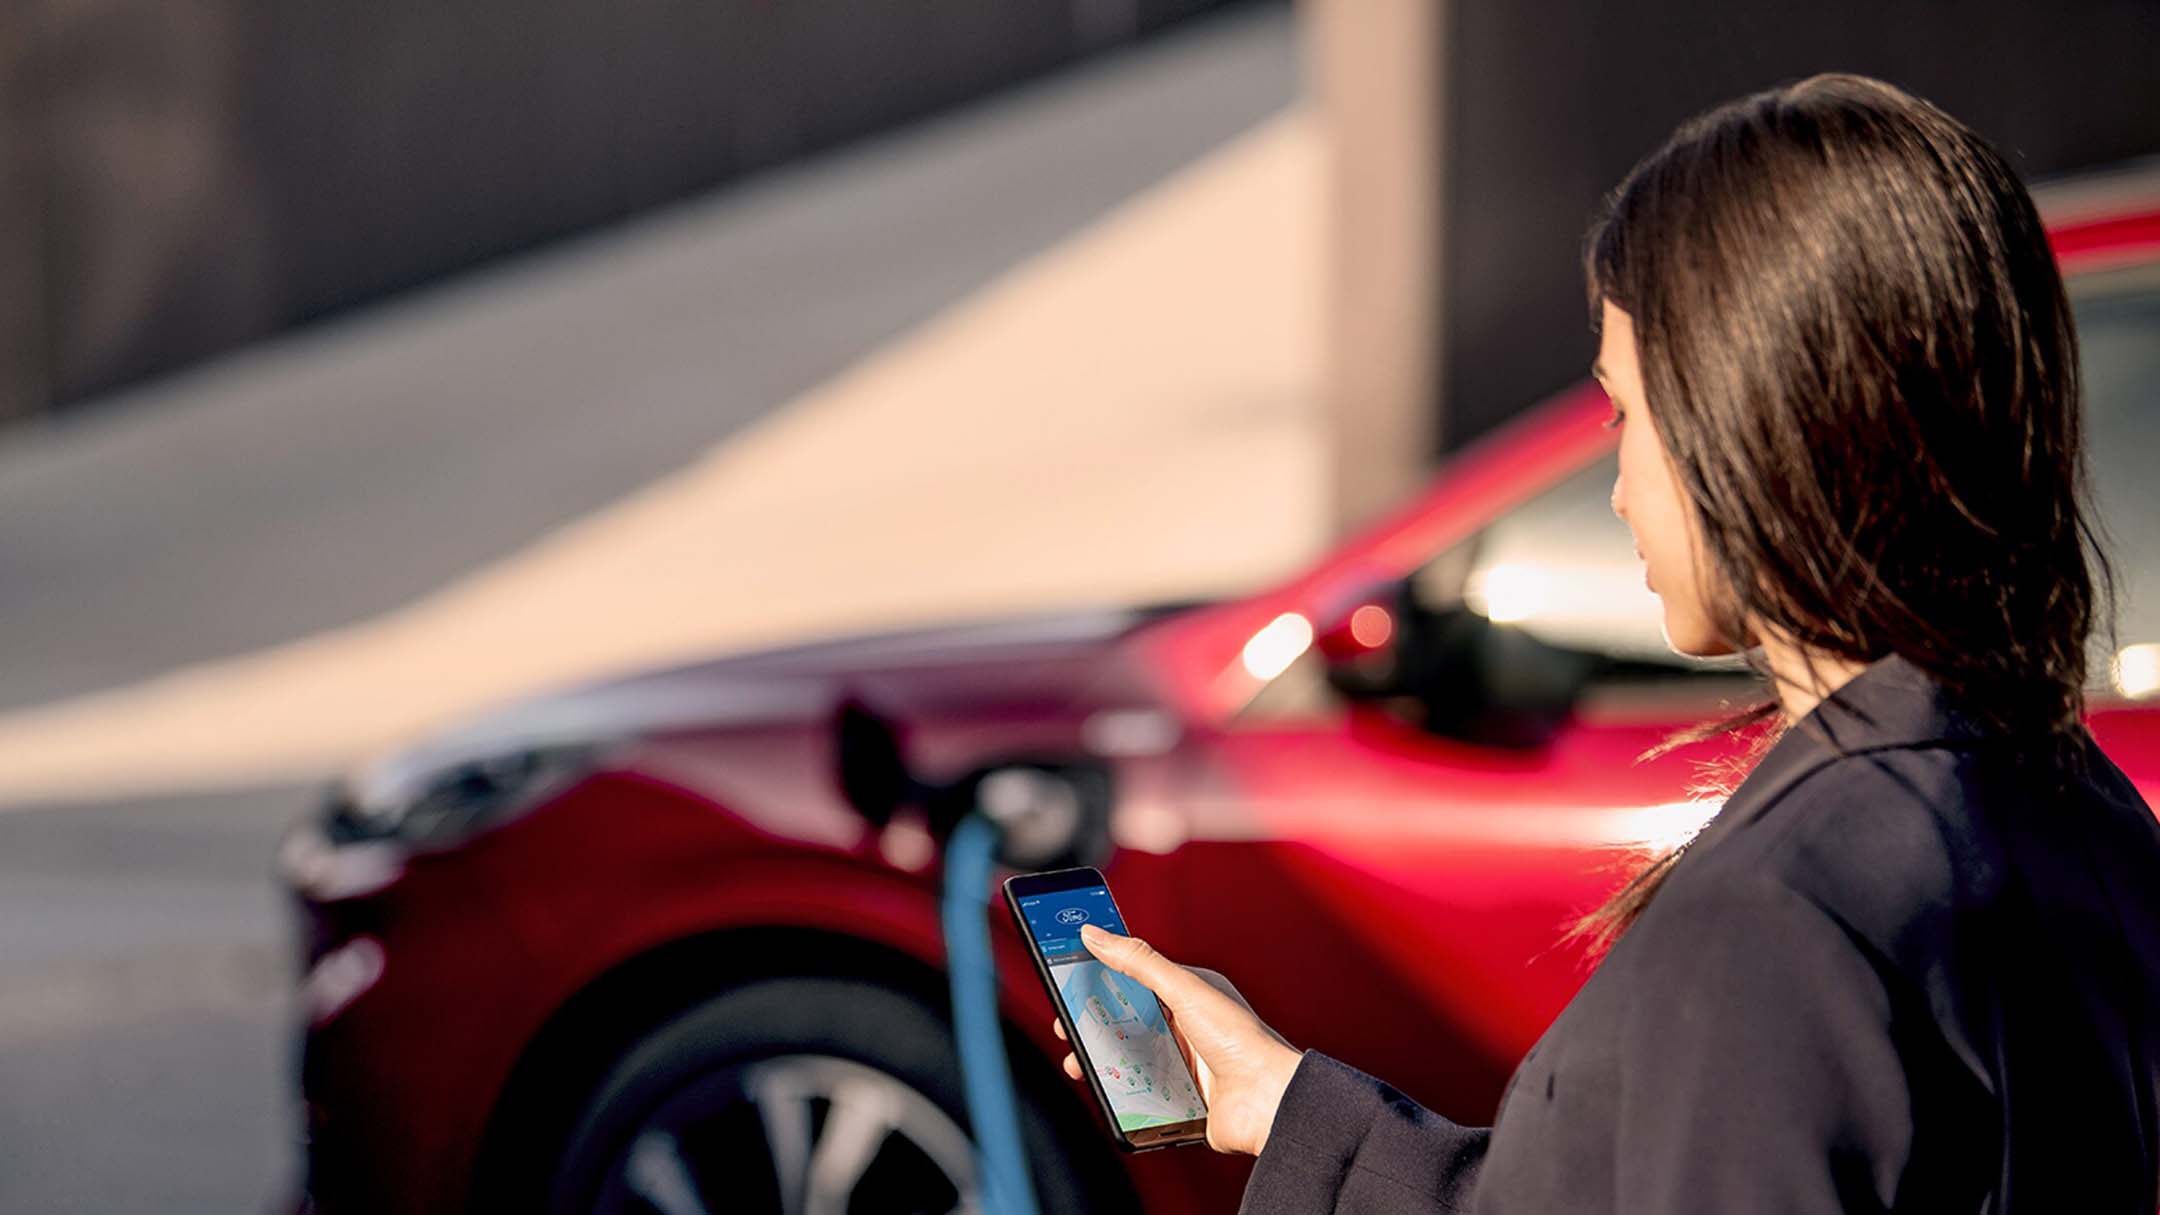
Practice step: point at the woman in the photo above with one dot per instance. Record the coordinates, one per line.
(1911, 964)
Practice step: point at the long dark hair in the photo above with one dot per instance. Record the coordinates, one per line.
(1855, 341)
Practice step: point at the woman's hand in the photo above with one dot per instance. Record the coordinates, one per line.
(1242, 1065)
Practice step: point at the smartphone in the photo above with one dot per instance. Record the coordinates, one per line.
(1114, 1025)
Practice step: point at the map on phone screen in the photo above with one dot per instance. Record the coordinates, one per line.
(1119, 1021)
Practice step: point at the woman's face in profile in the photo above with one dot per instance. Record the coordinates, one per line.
(1648, 498)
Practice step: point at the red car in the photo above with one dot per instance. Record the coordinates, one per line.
(672, 942)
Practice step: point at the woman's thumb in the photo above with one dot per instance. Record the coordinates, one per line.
(1135, 957)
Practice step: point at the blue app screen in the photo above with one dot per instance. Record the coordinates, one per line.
(1119, 1021)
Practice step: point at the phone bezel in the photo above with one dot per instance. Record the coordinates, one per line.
(1168, 1134)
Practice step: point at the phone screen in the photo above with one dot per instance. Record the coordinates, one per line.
(1119, 1021)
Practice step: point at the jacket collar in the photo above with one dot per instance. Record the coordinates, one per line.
(1890, 703)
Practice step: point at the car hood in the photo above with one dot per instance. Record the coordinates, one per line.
(1035, 661)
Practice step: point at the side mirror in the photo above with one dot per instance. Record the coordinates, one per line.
(1466, 677)
(1362, 644)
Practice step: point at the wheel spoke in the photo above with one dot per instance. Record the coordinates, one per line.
(656, 1173)
(785, 1111)
(818, 1164)
(862, 1115)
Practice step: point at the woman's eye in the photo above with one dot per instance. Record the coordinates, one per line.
(1613, 422)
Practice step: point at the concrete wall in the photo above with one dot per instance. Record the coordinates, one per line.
(176, 179)
(1547, 106)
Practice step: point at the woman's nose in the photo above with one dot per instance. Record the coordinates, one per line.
(1618, 502)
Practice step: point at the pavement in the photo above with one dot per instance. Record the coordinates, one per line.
(1060, 348)
(146, 1045)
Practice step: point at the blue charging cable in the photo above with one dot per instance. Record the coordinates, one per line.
(985, 1073)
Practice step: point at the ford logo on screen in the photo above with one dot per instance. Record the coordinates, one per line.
(1071, 915)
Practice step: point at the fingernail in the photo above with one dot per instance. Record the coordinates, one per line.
(1092, 933)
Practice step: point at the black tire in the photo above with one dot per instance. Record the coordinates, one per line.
(678, 1108)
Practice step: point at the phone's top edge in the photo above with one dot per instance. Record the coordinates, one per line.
(1090, 870)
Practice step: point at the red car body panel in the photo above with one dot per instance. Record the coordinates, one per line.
(1377, 892)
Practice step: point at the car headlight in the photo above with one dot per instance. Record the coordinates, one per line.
(443, 804)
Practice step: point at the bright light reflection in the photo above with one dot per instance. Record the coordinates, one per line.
(1275, 647)
(1661, 827)
(1510, 593)
(339, 977)
(2136, 670)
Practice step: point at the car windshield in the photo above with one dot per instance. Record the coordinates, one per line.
(1562, 567)
(2118, 319)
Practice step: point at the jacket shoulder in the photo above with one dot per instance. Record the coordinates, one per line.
(1897, 844)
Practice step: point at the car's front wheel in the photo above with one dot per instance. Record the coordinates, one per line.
(801, 1096)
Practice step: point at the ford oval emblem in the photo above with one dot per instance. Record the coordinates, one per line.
(1071, 915)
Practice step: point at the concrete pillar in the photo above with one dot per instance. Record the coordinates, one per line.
(1375, 68)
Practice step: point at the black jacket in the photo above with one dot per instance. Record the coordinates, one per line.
(1917, 976)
